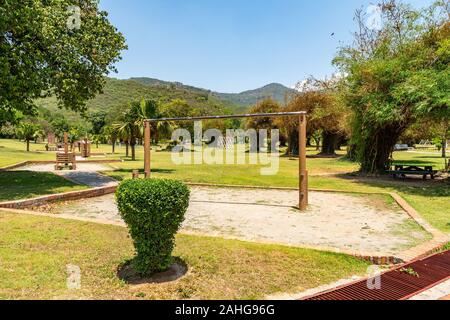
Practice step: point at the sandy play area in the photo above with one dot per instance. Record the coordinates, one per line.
(368, 224)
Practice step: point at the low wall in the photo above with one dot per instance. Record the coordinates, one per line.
(75, 195)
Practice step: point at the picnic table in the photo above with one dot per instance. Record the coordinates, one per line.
(418, 170)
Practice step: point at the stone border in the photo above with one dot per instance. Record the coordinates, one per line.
(73, 195)
(439, 238)
(27, 163)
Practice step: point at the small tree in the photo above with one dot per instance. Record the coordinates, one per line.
(111, 134)
(129, 128)
(153, 211)
(264, 106)
(27, 131)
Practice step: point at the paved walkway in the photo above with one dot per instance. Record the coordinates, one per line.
(86, 173)
(436, 293)
(91, 179)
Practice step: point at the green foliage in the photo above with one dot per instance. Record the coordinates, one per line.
(41, 56)
(27, 131)
(241, 100)
(98, 121)
(153, 211)
(265, 106)
(395, 77)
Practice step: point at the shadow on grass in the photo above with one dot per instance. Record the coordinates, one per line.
(141, 171)
(414, 161)
(177, 270)
(121, 174)
(412, 186)
(15, 185)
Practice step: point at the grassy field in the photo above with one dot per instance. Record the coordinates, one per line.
(17, 185)
(35, 252)
(431, 199)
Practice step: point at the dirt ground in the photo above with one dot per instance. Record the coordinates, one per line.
(366, 224)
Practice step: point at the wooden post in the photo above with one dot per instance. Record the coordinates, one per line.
(66, 143)
(147, 149)
(303, 173)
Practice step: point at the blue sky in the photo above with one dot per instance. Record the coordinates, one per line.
(232, 45)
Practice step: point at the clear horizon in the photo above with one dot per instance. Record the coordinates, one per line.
(232, 46)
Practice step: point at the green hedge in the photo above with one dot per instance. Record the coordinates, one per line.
(154, 211)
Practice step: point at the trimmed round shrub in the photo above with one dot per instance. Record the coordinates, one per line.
(153, 211)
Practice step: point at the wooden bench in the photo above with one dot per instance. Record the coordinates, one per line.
(403, 170)
(65, 159)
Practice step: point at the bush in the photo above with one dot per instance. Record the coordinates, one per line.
(153, 210)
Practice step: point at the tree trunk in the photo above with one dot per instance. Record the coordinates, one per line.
(133, 151)
(329, 143)
(352, 152)
(113, 146)
(317, 142)
(293, 143)
(377, 148)
(28, 145)
(127, 151)
(444, 149)
(156, 136)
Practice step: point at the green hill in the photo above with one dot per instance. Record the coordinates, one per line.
(244, 99)
(275, 91)
(119, 92)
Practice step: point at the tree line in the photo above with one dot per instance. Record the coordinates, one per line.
(392, 86)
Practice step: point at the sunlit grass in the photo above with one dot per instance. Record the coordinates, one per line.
(35, 252)
(432, 201)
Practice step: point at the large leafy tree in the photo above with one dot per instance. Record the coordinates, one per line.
(395, 77)
(45, 51)
(267, 105)
(326, 115)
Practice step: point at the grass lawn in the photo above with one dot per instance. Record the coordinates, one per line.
(14, 151)
(15, 185)
(431, 200)
(35, 252)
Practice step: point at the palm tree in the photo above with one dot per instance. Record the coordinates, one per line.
(149, 109)
(97, 138)
(39, 134)
(27, 131)
(73, 136)
(129, 128)
(111, 134)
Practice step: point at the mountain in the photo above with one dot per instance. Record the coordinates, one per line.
(244, 99)
(119, 92)
(275, 91)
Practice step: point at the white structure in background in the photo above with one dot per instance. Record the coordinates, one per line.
(226, 143)
(310, 84)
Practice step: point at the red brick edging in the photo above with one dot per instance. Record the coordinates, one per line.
(422, 250)
(74, 195)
